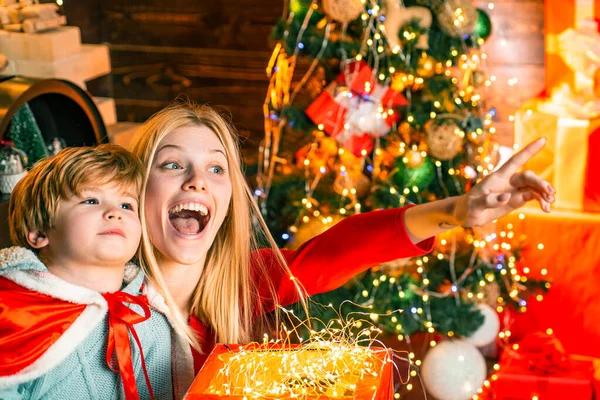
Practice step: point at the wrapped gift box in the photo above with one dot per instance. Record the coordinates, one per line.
(290, 371)
(570, 160)
(577, 381)
(560, 15)
(571, 307)
(355, 108)
(538, 366)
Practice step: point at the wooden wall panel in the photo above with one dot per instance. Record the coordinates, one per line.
(515, 50)
(232, 24)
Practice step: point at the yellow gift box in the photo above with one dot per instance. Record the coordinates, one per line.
(564, 160)
(560, 15)
(283, 371)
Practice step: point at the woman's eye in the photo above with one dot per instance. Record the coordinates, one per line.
(172, 165)
(217, 169)
(90, 201)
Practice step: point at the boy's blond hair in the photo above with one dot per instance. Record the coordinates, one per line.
(35, 199)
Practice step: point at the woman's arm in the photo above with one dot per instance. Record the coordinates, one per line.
(330, 259)
(495, 196)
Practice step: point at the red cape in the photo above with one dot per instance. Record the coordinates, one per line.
(30, 323)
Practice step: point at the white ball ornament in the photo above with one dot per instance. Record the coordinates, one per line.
(343, 11)
(453, 370)
(488, 332)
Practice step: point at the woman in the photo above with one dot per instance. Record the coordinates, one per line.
(202, 229)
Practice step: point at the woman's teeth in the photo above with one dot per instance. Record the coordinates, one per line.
(201, 208)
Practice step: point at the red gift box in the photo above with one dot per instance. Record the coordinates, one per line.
(363, 82)
(591, 188)
(328, 112)
(518, 382)
(218, 373)
(356, 113)
(539, 366)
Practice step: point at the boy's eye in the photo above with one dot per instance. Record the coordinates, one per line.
(127, 206)
(172, 165)
(90, 201)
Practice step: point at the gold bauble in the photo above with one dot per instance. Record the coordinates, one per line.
(443, 139)
(349, 160)
(457, 17)
(426, 66)
(343, 11)
(328, 145)
(399, 81)
(320, 153)
(354, 180)
(414, 158)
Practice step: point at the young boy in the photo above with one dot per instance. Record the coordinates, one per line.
(68, 301)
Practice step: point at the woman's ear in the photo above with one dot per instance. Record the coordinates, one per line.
(37, 239)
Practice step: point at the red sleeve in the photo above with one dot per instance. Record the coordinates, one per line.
(207, 340)
(330, 259)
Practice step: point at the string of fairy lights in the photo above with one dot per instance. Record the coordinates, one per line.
(334, 361)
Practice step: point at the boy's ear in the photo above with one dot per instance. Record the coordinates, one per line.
(37, 239)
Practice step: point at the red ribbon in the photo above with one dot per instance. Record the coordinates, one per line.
(591, 188)
(121, 320)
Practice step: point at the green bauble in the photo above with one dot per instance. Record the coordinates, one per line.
(483, 26)
(420, 176)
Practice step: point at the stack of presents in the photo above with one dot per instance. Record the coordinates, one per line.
(36, 43)
(568, 111)
(554, 351)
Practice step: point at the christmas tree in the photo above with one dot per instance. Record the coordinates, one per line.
(376, 104)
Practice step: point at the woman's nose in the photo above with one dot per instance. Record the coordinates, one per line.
(195, 183)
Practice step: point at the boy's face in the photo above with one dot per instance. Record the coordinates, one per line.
(100, 227)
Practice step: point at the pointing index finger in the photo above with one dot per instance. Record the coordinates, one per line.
(520, 158)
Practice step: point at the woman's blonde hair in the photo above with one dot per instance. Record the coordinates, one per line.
(226, 296)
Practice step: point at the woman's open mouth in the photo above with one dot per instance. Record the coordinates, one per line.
(189, 218)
